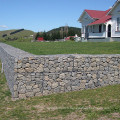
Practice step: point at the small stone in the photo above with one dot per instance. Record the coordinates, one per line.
(82, 85)
(29, 70)
(27, 65)
(70, 68)
(21, 70)
(46, 78)
(22, 91)
(57, 69)
(36, 90)
(35, 86)
(22, 96)
(62, 83)
(15, 70)
(19, 65)
(19, 75)
(46, 92)
(15, 87)
(46, 70)
(33, 74)
(94, 76)
(29, 94)
(49, 83)
(54, 85)
(74, 88)
(38, 94)
(62, 76)
(52, 70)
(28, 87)
(15, 95)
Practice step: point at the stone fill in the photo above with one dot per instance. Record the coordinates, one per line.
(31, 75)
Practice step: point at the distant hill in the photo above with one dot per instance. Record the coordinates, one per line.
(16, 34)
(70, 30)
(59, 33)
(6, 32)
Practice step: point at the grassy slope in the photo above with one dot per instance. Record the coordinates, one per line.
(6, 32)
(86, 105)
(43, 48)
(23, 34)
(19, 34)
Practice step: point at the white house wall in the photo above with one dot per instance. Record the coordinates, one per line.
(115, 14)
(97, 35)
(86, 19)
(108, 23)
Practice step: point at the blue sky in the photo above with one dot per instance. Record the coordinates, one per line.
(40, 15)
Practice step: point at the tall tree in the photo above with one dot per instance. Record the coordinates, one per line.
(37, 35)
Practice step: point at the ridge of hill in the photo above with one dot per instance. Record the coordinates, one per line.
(16, 33)
(71, 30)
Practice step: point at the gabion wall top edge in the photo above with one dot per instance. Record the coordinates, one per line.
(19, 54)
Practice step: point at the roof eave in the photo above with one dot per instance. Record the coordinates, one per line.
(96, 24)
(80, 18)
(113, 7)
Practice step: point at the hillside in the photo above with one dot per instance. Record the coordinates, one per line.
(70, 30)
(15, 34)
(6, 32)
(59, 33)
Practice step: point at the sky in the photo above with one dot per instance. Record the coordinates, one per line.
(44, 15)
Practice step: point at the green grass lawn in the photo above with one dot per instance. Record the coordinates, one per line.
(94, 104)
(70, 47)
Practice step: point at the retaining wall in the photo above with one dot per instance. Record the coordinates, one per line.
(30, 75)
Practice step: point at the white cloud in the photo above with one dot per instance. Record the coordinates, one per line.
(3, 26)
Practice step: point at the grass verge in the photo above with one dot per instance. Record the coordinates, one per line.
(69, 47)
(101, 103)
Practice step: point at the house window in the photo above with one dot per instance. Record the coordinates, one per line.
(90, 29)
(118, 24)
(100, 28)
(93, 28)
(104, 28)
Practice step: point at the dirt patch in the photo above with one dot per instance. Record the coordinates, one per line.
(116, 115)
(40, 108)
(105, 118)
(73, 116)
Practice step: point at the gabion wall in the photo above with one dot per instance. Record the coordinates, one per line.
(29, 75)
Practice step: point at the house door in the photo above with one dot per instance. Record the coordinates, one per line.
(109, 30)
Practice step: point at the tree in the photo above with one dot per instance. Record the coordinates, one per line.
(71, 32)
(44, 35)
(37, 35)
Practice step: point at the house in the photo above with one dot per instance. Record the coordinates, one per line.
(101, 26)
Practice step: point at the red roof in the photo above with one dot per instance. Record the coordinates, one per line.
(101, 20)
(97, 14)
(101, 16)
